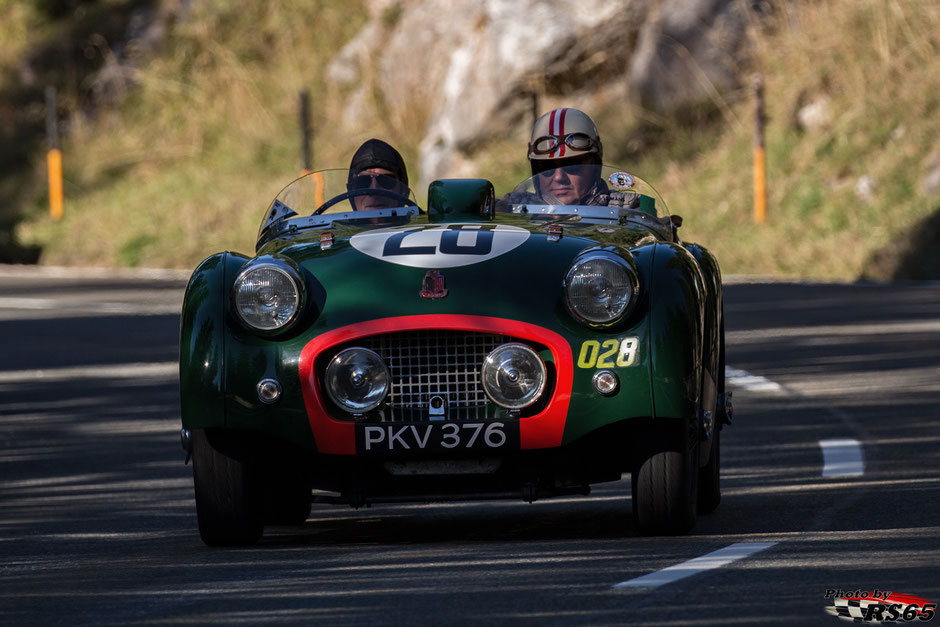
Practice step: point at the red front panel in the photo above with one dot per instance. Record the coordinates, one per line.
(337, 437)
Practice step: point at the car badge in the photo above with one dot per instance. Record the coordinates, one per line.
(437, 408)
(555, 232)
(326, 240)
(434, 285)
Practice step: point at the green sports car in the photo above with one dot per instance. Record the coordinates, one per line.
(373, 351)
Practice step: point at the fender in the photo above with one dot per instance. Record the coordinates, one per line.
(712, 375)
(677, 329)
(713, 319)
(202, 341)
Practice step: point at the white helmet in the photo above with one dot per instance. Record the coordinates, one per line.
(562, 134)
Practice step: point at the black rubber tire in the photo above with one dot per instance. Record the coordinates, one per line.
(709, 478)
(229, 500)
(665, 479)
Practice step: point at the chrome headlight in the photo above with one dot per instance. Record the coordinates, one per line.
(267, 296)
(513, 376)
(357, 380)
(600, 288)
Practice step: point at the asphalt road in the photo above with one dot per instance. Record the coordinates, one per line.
(97, 520)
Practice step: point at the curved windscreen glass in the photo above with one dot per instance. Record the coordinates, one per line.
(360, 198)
(588, 185)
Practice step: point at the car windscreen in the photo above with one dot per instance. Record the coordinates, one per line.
(317, 199)
(589, 184)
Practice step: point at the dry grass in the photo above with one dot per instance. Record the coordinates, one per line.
(876, 63)
(186, 165)
(17, 30)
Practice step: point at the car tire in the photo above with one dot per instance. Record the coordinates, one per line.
(709, 478)
(228, 490)
(709, 481)
(664, 480)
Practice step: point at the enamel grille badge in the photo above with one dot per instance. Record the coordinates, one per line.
(433, 285)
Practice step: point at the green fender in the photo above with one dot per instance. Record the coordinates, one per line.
(202, 341)
(677, 328)
(711, 274)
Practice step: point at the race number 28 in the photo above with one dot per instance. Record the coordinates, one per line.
(608, 353)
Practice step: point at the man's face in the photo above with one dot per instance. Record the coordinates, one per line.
(378, 178)
(568, 183)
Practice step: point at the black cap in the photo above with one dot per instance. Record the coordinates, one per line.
(375, 153)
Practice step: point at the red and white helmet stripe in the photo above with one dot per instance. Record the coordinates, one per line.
(556, 126)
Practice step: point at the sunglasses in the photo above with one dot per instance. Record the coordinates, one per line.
(548, 143)
(578, 169)
(382, 181)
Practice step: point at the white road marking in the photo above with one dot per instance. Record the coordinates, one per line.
(62, 307)
(842, 458)
(929, 325)
(715, 559)
(750, 382)
(162, 370)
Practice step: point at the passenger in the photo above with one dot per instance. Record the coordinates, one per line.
(379, 166)
(566, 155)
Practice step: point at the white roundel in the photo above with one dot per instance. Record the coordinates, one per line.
(439, 245)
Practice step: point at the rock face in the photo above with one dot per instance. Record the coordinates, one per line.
(687, 52)
(474, 65)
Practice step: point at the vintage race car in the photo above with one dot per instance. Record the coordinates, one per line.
(372, 351)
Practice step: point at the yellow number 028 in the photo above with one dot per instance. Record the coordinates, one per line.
(609, 353)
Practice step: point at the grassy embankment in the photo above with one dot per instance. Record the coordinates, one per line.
(187, 163)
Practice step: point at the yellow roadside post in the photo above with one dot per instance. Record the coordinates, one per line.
(53, 157)
(760, 157)
(54, 166)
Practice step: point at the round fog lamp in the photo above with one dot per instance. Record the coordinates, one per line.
(357, 380)
(605, 382)
(513, 376)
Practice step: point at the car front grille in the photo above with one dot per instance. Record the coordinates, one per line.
(435, 363)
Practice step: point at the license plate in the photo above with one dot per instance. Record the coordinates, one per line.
(438, 436)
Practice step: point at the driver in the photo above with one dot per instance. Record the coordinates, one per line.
(566, 155)
(377, 165)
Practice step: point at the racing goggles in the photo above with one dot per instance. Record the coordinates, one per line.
(380, 181)
(548, 143)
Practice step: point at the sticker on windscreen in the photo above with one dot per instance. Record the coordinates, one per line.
(621, 181)
(440, 245)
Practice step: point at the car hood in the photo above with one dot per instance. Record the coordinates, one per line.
(510, 269)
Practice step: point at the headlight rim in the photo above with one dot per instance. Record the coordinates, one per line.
(627, 262)
(543, 383)
(287, 270)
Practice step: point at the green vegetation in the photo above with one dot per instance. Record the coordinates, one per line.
(207, 134)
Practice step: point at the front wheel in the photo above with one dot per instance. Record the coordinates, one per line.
(229, 501)
(709, 486)
(664, 479)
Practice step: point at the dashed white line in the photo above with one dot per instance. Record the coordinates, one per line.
(751, 382)
(715, 559)
(842, 458)
(162, 370)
